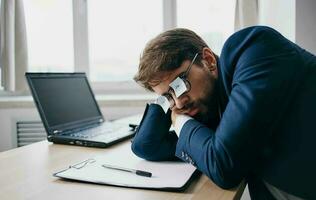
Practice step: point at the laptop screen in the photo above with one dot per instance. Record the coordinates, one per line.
(64, 99)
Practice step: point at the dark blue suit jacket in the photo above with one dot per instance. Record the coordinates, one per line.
(267, 95)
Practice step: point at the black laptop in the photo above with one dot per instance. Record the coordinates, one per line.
(70, 113)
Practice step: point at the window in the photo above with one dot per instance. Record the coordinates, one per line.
(118, 31)
(105, 38)
(213, 20)
(49, 35)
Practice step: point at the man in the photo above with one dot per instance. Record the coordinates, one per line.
(248, 114)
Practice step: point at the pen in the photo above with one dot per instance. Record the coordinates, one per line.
(135, 171)
(133, 126)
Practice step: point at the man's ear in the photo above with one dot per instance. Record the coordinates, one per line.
(209, 58)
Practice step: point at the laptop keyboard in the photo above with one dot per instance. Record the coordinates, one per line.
(107, 131)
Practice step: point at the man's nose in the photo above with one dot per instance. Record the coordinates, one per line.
(181, 101)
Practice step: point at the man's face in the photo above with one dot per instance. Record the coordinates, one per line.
(200, 101)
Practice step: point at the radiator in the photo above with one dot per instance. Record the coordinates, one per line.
(29, 132)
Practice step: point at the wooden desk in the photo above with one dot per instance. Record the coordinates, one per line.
(26, 173)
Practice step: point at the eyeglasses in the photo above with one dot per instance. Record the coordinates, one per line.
(82, 164)
(178, 87)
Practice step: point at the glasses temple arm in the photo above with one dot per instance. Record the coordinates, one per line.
(189, 68)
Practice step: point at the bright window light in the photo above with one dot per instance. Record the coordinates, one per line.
(49, 27)
(118, 32)
(213, 20)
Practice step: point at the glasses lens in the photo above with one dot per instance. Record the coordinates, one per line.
(178, 86)
(187, 84)
(171, 101)
(165, 101)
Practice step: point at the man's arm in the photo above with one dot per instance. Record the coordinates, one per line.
(261, 92)
(153, 141)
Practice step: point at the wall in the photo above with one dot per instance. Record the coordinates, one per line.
(306, 24)
(7, 119)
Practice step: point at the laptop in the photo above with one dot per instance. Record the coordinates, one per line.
(70, 113)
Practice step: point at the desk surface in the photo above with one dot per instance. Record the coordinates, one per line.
(26, 173)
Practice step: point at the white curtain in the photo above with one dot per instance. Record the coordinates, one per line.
(13, 52)
(246, 13)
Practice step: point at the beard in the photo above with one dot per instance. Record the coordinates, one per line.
(209, 113)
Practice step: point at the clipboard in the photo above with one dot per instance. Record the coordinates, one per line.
(167, 175)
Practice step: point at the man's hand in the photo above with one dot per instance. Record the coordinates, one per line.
(173, 118)
(182, 119)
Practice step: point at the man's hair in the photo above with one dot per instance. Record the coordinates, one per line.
(167, 52)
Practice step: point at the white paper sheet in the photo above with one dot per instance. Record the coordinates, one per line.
(168, 175)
